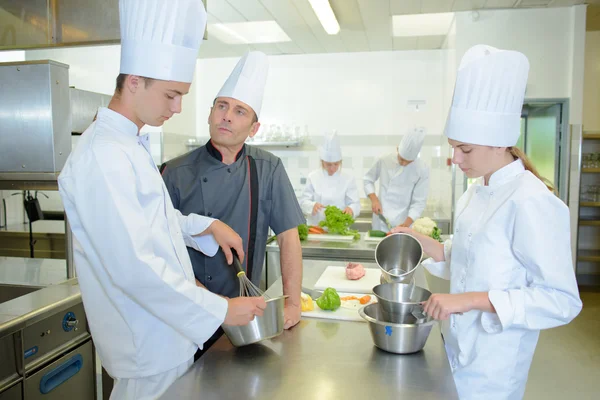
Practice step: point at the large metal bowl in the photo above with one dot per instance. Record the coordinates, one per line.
(399, 338)
(398, 256)
(400, 299)
(267, 326)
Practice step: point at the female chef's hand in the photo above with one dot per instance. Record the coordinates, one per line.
(440, 306)
(318, 207)
(431, 247)
(227, 239)
(349, 211)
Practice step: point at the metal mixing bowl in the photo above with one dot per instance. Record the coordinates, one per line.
(399, 338)
(400, 299)
(398, 256)
(267, 326)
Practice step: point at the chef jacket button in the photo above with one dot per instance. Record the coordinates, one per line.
(209, 214)
(470, 234)
(229, 170)
(209, 278)
(491, 193)
(205, 180)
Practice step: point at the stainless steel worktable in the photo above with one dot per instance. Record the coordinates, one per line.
(318, 359)
(39, 272)
(356, 250)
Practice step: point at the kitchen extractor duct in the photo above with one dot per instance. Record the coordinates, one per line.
(30, 24)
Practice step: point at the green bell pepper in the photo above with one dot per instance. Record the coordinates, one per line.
(329, 300)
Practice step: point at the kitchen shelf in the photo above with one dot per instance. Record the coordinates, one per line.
(589, 204)
(589, 255)
(589, 222)
(590, 170)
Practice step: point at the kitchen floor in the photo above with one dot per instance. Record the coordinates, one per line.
(566, 364)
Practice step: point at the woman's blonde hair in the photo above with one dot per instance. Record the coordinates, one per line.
(519, 154)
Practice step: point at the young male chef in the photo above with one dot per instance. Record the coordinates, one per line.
(146, 314)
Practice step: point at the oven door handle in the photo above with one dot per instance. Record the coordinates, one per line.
(59, 375)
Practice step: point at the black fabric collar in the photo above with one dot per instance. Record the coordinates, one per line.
(213, 151)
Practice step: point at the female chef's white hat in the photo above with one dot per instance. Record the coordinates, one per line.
(411, 144)
(160, 39)
(247, 81)
(331, 150)
(488, 97)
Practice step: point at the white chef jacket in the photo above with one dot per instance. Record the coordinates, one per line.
(402, 190)
(145, 312)
(338, 190)
(512, 240)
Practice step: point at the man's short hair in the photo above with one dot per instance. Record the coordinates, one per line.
(121, 82)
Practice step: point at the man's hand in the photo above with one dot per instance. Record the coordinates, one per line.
(349, 211)
(318, 207)
(242, 310)
(291, 315)
(375, 204)
(227, 239)
(407, 222)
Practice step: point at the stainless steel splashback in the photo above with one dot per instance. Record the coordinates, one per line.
(35, 123)
(84, 106)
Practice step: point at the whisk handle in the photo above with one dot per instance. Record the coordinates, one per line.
(236, 262)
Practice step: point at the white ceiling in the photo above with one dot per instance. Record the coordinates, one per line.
(366, 25)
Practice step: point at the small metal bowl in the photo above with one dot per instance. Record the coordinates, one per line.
(398, 338)
(398, 256)
(400, 299)
(267, 326)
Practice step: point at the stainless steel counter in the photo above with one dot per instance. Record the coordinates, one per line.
(356, 250)
(33, 307)
(318, 359)
(32, 271)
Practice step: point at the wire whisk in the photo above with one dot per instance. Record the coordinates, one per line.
(247, 288)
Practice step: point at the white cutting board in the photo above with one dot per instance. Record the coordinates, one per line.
(368, 238)
(348, 311)
(335, 277)
(329, 237)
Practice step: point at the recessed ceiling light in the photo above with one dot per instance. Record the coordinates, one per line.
(422, 24)
(248, 32)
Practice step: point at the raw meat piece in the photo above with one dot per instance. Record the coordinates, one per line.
(354, 271)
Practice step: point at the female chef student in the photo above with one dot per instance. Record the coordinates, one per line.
(509, 262)
(329, 186)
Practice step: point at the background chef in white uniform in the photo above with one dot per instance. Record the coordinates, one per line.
(329, 185)
(146, 314)
(509, 263)
(403, 184)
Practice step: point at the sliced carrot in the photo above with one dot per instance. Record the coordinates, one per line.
(365, 299)
(349, 298)
(317, 228)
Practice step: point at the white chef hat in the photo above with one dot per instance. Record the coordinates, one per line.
(247, 80)
(488, 97)
(411, 144)
(160, 39)
(331, 150)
